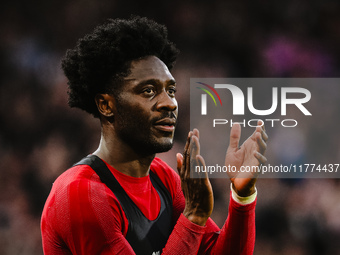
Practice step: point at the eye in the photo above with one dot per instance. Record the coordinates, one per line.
(172, 91)
(148, 91)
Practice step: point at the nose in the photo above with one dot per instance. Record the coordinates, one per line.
(166, 102)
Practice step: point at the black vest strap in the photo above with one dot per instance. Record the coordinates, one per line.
(144, 236)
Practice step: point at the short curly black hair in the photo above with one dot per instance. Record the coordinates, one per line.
(102, 58)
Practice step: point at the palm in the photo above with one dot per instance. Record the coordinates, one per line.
(198, 193)
(250, 154)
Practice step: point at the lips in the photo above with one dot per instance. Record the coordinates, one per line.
(166, 124)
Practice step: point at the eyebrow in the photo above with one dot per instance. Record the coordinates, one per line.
(156, 81)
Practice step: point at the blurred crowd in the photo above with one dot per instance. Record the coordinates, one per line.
(40, 136)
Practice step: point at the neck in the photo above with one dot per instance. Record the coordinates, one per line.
(122, 157)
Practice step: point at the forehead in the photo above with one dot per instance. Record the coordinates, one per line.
(147, 68)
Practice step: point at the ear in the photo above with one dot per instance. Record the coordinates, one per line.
(106, 104)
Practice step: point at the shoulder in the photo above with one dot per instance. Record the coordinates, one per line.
(78, 196)
(77, 172)
(168, 176)
(59, 204)
(81, 176)
(75, 182)
(81, 185)
(80, 206)
(79, 189)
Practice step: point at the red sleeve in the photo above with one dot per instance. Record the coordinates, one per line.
(236, 237)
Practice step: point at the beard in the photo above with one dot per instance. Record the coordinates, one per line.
(138, 132)
(147, 145)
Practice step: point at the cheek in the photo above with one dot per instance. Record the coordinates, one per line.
(133, 115)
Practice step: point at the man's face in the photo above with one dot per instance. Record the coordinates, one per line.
(146, 107)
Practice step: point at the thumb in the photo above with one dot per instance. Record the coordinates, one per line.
(179, 158)
(235, 135)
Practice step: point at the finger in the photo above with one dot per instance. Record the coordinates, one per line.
(259, 127)
(201, 173)
(261, 158)
(186, 154)
(179, 159)
(263, 126)
(260, 123)
(196, 132)
(195, 146)
(200, 160)
(262, 129)
(235, 135)
(186, 147)
(194, 152)
(186, 164)
(261, 143)
(264, 135)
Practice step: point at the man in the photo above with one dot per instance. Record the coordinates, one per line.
(121, 199)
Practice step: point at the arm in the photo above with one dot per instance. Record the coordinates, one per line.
(190, 226)
(190, 238)
(237, 236)
(232, 237)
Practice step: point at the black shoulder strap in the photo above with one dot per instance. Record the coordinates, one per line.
(105, 175)
(111, 182)
(145, 236)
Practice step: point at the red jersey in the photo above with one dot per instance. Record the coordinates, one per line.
(83, 216)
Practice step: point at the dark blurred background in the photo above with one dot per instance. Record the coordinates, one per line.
(40, 136)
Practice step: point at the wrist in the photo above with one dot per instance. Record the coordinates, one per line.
(243, 200)
(196, 219)
(245, 192)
